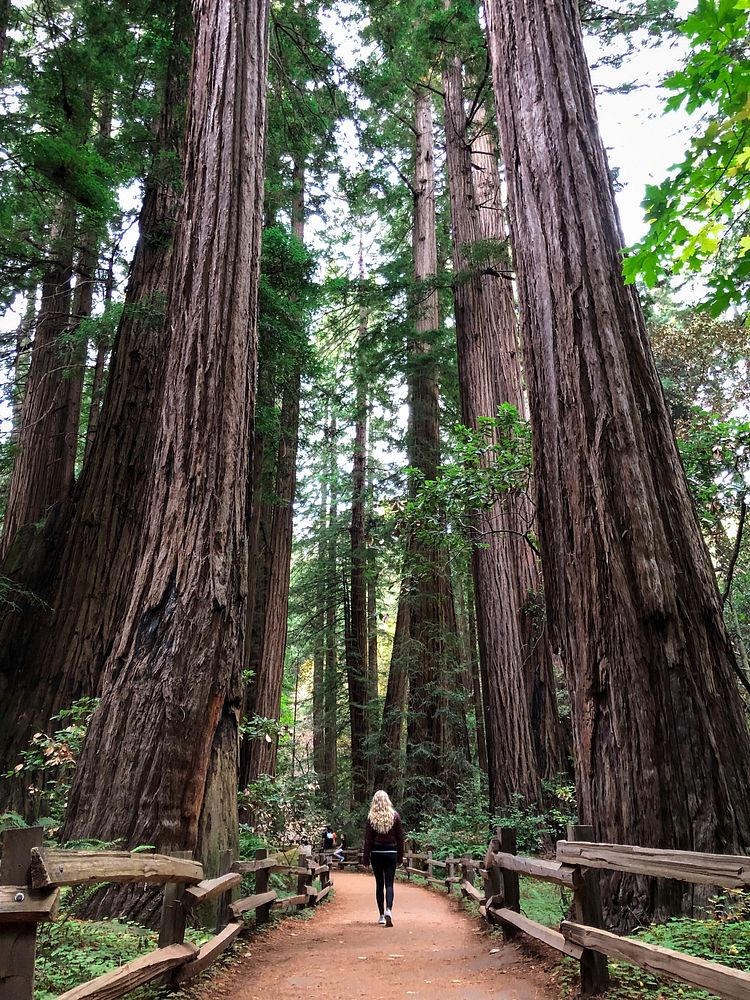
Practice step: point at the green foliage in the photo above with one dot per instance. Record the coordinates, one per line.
(467, 827)
(487, 463)
(284, 810)
(726, 941)
(50, 762)
(547, 904)
(71, 952)
(12, 821)
(716, 456)
(699, 216)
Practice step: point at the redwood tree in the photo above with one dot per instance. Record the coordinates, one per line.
(160, 761)
(53, 647)
(357, 667)
(43, 470)
(433, 733)
(522, 731)
(661, 744)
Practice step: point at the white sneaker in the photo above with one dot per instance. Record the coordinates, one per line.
(381, 920)
(388, 919)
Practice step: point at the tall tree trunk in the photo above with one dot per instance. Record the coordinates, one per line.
(43, 470)
(52, 651)
(97, 391)
(319, 708)
(331, 645)
(356, 663)
(476, 687)
(266, 685)
(272, 596)
(372, 578)
(24, 339)
(547, 731)
(431, 727)
(631, 596)
(503, 563)
(83, 302)
(176, 670)
(389, 764)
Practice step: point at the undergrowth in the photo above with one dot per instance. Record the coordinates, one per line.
(723, 938)
(70, 952)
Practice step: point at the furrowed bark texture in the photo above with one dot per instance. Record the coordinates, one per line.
(24, 337)
(356, 660)
(476, 688)
(433, 728)
(52, 652)
(43, 471)
(271, 554)
(331, 646)
(372, 571)
(516, 664)
(661, 747)
(319, 661)
(552, 748)
(160, 761)
(265, 688)
(389, 764)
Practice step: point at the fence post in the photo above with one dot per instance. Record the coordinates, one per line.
(506, 836)
(450, 871)
(428, 864)
(17, 941)
(408, 860)
(587, 901)
(172, 923)
(495, 885)
(467, 870)
(262, 913)
(302, 880)
(222, 905)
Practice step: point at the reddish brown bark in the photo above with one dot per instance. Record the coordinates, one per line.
(331, 645)
(270, 551)
(265, 687)
(518, 684)
(661, 746)
(357, 646)
(160, 761)
(52, 652)
(434, 724)
(43, 470)
(389, 763)
(476, 689)
(24, 339)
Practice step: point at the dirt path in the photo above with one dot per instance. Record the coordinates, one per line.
(433, 950)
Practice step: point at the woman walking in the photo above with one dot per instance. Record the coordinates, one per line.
(384, 850)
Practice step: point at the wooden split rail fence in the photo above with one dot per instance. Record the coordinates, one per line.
(576, 869)
(31, 877)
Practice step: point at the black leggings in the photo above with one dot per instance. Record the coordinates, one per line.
(384, 870)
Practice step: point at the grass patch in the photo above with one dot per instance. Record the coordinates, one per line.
(726, 942)
(544, 902)
(71, 952)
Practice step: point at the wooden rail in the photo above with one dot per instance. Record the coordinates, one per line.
(31, 878)
(575, 868)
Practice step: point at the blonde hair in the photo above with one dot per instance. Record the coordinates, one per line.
(382, 814)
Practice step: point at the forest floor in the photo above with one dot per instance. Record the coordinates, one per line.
(435, 949)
